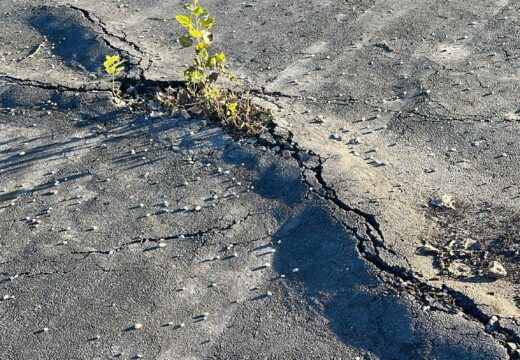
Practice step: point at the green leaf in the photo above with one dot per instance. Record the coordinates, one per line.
(212, 92)
(207, 23)
(185, 41)
(110, 63)
(194, 76)
(195, 33)
(203, 55)
(114, 65)
(198, 75)
(184, 20)
(201, 46)
(220, 57)
(198, 11)
(232, 108)
(212, 62)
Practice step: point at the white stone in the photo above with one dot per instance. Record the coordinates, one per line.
(496, 270)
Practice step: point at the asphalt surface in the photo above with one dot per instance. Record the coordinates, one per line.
(128, 232)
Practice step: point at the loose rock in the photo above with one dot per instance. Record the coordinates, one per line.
(496, 270)
(445, 201)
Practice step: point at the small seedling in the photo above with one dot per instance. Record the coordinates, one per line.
(201, 94)
(232, 109)
(206, 67)
(114, 65)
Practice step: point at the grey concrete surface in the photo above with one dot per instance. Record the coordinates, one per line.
(112, 217)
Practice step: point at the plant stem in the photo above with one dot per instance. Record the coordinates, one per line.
(114, 84)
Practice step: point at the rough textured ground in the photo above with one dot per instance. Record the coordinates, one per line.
(111, 217)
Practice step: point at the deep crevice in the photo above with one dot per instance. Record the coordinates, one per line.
(451, 301)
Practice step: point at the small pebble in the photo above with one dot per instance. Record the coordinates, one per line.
(319, 119)
(335, 136)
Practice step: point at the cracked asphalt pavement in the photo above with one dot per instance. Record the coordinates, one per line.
(130, 233)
